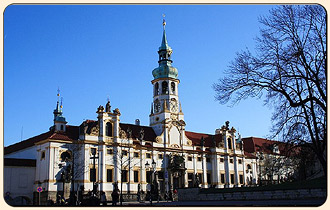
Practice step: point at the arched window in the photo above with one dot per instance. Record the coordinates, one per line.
(62, 127)
(173, 87)
(156, 89)
(229, 144)
(66, 156)
(164, 87)
(108, 129)
(249, 167)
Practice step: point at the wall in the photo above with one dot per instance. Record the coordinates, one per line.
(192, 194)
(19, 181)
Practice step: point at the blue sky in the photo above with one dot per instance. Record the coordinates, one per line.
(92, 52)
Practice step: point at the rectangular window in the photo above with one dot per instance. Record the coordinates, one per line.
(189, 158)
(190, 176)
(124, 152)
(136, 154)
(208, 159)
(232, 179)
(160, 156)
(124, 175)
(136, 176)
(239, 161)
(222, 177)
(199, 158)
(222, 160)
(208, 178)
(109, 151)
(109, 175)
(148, 176)
(231, 160)
(92, 175)
(190, 179)
(148, 155)
(200, 176)
(241, 179)
(93, 151)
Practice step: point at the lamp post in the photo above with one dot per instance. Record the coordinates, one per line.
(94, 171)
(153, 165)
(260, 157)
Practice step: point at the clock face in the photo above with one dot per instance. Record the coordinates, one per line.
(174, 106)
(157, 106)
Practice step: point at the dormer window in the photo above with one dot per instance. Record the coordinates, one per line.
(276, 149)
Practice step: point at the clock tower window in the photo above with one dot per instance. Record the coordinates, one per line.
(173, 87)
(156, 89)
(164, 87)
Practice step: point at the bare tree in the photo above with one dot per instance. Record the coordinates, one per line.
(72, 165)
(289, 68)
(123, 160)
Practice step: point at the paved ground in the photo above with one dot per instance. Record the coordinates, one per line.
(315, 202)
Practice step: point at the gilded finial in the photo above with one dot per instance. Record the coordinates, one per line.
(61, 102)
(164, 22)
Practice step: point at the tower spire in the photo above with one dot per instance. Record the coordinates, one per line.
(58, 117)
(165, 68)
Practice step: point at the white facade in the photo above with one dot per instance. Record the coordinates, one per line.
(122, 151)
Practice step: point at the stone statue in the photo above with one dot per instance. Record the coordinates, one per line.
(227, 124)
(108, 107)
(141, 134)
(197, 181)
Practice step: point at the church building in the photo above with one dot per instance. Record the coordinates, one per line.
(105, 154)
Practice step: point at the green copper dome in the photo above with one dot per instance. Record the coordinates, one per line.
(165, 72)
(165, 68)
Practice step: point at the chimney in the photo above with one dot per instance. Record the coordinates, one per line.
(137, 122)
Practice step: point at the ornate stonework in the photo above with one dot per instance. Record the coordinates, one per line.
(189, 142)
(174, 146)
(159, 139)
(95, 131)
(122, 134)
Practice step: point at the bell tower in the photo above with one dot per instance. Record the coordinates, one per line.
(166, 105)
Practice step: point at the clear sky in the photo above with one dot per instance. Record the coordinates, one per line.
(92, 52)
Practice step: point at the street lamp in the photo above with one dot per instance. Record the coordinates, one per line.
(94, 170)
(153, 165)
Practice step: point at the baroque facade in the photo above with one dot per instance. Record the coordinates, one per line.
(104, 153)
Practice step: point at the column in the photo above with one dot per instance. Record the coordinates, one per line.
(217, 170)
(204, 183)
(101, 166)
(143, 180)
(236, 171)
(227, 174)
(117, 177)
(244, 172)
(131, 173)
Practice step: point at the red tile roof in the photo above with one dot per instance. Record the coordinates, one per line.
(19, 162)
(70, 134)
(149, 133)
(208, 142)
(254, 144)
